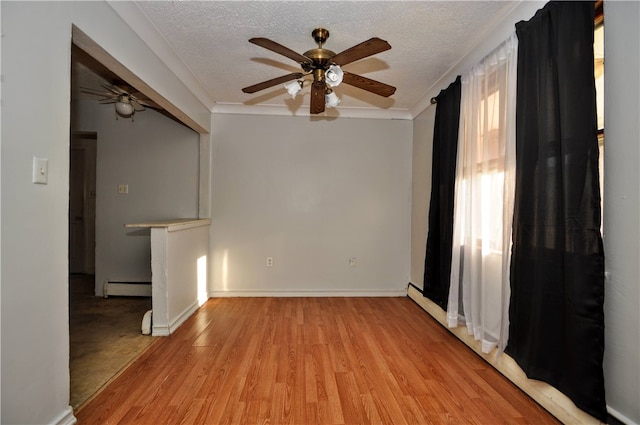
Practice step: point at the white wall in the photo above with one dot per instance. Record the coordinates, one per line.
(179, 262)
(622, 208)
(36, 53)
(310, 194)
(158, 159)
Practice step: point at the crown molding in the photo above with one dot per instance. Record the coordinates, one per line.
(422, 104)
(303, 111)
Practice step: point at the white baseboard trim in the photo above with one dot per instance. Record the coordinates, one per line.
(65, 418)
(166, 330)
(288, 293)
(126, 289)
(160, 330)
(555, 402)
(619, 416)
(182, 317)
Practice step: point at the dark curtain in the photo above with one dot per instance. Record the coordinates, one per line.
(556, 314)
(437, 267)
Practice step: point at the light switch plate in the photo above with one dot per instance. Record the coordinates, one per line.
(40, 170)
(123, 189)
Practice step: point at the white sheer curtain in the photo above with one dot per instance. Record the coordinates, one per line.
(485, 182)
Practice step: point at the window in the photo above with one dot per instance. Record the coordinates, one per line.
(484, 194)
(598, 55)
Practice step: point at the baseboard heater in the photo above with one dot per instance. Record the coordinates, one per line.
(126, 289)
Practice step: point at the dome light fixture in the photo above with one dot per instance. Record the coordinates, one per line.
(124, 107)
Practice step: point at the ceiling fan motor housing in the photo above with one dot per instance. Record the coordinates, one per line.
(320, 58)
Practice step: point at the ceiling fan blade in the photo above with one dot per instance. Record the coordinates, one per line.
(137, 106)
(123, 86)
(360, 51)
(317, 97)
(368, 84)
(114, 89)
(147, 102)
(95, 92)
(280, 49)
(109, 100)
(273, 82)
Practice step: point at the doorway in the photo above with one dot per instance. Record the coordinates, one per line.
(109, 337)
(104, 334)
(82, 203)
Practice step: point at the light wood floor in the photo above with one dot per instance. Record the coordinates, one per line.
(311, 361)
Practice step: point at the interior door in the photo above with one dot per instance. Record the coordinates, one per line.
(82, 200)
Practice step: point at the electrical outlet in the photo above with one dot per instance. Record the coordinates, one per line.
(269, 261)
(352, 262)
(123, 189)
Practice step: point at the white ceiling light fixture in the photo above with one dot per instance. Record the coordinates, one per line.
(333, 76)
(294, 87)
(124, 107)
(331, 100)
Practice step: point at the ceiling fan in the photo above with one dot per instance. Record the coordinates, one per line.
(127, 101)
(325, 67)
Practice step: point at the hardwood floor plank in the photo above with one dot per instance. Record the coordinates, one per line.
(179, 375)
(323, 392)
(278, 403)
(419, 415)
(310, 373)
(193, 414)
(350, 400)
(326, 361)
(370, 410)
(311, 414)
(511, 393)
(183, 399)
(233, 407)
(331, 387)
(130, 415)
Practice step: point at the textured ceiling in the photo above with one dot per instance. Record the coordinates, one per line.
(208, 41)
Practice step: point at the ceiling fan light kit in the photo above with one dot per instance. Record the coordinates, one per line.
(126, 101)
(124, 107)
(334, 75)
(294, 87)
(325, 67)
(331, 100)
